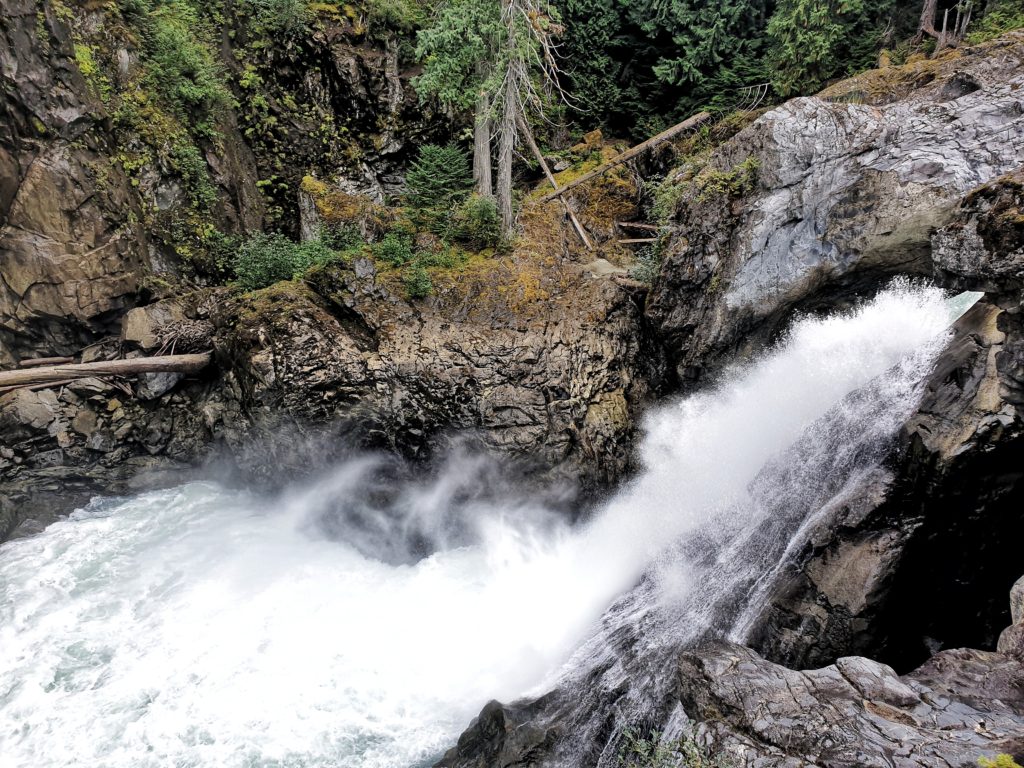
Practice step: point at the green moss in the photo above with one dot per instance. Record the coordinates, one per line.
(735, 182)
(654, 752)
(999, 761)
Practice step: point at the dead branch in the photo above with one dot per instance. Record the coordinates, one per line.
(629, 154)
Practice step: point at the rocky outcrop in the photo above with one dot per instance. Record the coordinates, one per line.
(842, 194)
(557, 383)
(1011, 641)
(306, 372)
(959, 706)
(922, 558)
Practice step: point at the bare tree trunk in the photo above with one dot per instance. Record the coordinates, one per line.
(507, 123)
(27, 377)
(482, 141)
(482, 147)
(506, 153)
(926, 26)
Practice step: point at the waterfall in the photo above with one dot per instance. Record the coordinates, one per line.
(363, 619)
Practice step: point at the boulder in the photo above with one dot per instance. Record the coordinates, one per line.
(146, 326)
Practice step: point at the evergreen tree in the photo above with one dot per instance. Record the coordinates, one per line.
(460, 52)
(492, 54)
(806, 38)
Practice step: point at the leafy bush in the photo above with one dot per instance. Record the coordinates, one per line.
(648, 264)
(395, 248)
(1000, 761)
(439, 177)
(446, 258)
(476, 222)
(652, 752)
(265, 259)
(1000, 16)
(286, 16)
(341, 236)
(181, 66)
(417, 281)
(399, 15)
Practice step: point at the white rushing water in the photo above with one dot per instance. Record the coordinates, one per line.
(201, 626)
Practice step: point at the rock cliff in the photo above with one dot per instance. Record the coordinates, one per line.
(117, 210)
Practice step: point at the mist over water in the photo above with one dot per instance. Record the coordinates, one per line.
(354, 621)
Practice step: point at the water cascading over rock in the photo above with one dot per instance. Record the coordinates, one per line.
(207, 626)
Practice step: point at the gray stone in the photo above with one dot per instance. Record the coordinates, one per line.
(1017, 601)
(154, 385)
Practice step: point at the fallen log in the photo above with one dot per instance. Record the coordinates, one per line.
(633, 240)
(629, 154)
(528, 135)
(54, 374)
(638, 225)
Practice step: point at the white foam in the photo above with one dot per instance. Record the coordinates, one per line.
(204, 627)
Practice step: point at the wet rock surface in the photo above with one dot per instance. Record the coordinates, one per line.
(843, 194)
(306, 373)
(960, 705)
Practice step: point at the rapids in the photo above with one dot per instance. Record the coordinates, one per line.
(207, 626)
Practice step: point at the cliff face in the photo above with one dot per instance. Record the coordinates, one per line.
(119, 211)
(841, 194)
(117, 181)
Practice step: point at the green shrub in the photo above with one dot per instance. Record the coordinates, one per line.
(648, 264)
(342, 236)
(446, 258)
(438, 178)
(180, 64)
(476, 222)
(395, 248)
(417, 281)
(265, 259)
(652, 752)
(285, 16)
(399, 15)
(1000, 761)
(1000, 16)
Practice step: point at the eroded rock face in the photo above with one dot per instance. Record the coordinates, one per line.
(76, 245)
(843, 194)
(923, 556)
(557, 386)
(307, 373)
(1011, 641)
(959, 706)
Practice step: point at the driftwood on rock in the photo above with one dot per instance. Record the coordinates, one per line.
(58, 374)
(629, 154)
